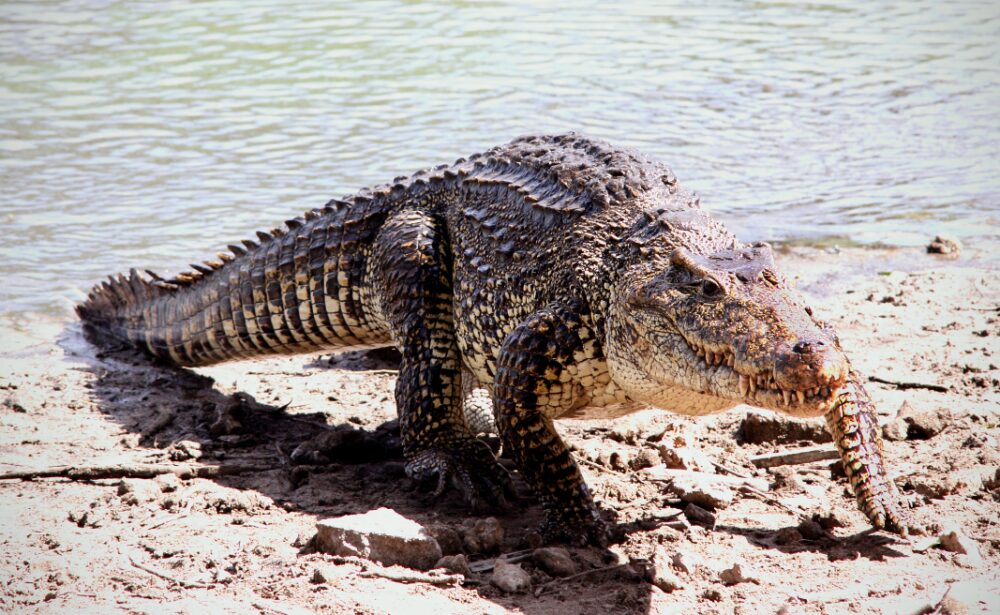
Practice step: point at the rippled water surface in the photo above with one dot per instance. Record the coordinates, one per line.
(154, 133)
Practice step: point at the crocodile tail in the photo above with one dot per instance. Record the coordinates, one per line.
(112, 309)
(294, 290)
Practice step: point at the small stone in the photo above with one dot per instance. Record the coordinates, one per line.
(787, 536)
(712, 595)
(706, 490)
(633, 427)
(225, 423)
(921, 424)
(685, 458)
(926, 543)
(136, 492)
(697, 514)
(977, 595)
(381, 535)
(168, 483)
(447, 537)
(952, 606)
(59, 578)
(686, 561)
(326, 574)
(786, 478)
(993, 484)
(936, 487)
(12, 403)
(948, 245)
(811, 530)
(184, 450)
(458, 564)
(510, 578)
(555, 561)
(758, 428)
(957, 542)
(895, 430)
(303, 540)
(616, 463)
(663, 575)
(646, 458)
(483, 536)
(830, 520)
(230, 501)
(738, 573)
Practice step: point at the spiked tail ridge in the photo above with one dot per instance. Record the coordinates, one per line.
(108, 313)
(298, 289)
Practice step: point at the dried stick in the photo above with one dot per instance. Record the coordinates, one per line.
(791, 458)
(133, 471)
(165, 576)
(541, 588)
(910, 385)
(512, 558)
(370, 569)
(413, 577)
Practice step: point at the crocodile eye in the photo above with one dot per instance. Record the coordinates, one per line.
(710, 289)
(809, 310)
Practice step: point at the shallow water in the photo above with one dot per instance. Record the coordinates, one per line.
(152, 134)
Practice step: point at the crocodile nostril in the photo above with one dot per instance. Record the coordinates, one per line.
(807, 345)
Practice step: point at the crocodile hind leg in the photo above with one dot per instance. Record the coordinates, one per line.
(413, 280)
(534, 383)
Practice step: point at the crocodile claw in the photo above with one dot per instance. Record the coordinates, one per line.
(467, 465)
(887, 513)
(575, 522)
(577, 528)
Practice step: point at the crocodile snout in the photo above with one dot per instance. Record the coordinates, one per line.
(810, 363)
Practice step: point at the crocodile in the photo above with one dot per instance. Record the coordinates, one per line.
(563, 275)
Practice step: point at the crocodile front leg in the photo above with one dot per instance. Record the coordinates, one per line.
(413, 278)
(532, 385)
(855, 430)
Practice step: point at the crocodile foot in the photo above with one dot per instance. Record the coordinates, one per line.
(577, 526)
(469, 466)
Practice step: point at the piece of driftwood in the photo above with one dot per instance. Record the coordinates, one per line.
(545, 586)
(134, 471)
(910, 385)
(796, 457)
(489, 564)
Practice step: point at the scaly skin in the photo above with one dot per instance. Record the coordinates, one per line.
(855, 431)
(563, 275)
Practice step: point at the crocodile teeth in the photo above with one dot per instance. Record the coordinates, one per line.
(700, 353)
(787, 395)
(801, 396)
(731, 361)
(744, 385)
(752, 383)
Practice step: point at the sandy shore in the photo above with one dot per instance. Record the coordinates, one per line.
(924, 328)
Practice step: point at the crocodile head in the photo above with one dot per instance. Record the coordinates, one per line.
(700, 333)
